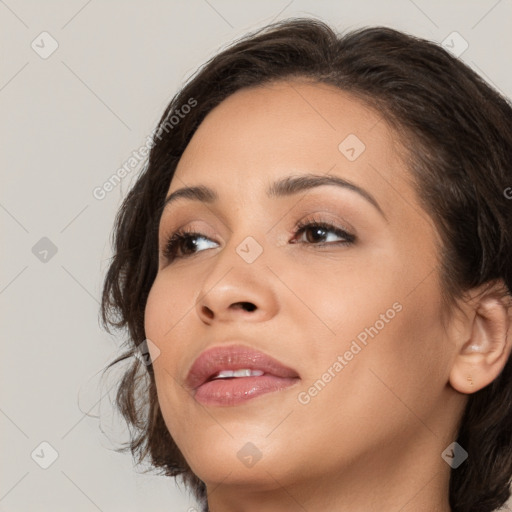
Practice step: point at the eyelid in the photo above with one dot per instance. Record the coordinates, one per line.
(311, 214)
(204, 229)
(326, 215)
(308, 211)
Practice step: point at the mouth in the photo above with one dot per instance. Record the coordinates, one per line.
(231, 375)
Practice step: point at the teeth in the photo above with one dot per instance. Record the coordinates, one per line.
(226, 374)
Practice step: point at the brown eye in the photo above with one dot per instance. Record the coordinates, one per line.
(183, 244)
(317, 232)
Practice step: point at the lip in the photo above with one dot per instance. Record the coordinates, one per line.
(233, 391)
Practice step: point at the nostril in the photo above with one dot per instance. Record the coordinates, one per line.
(207, 311)
(248, 306)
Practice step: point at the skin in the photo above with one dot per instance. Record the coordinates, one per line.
(372, 438)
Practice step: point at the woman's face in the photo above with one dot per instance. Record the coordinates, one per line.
(354, 310)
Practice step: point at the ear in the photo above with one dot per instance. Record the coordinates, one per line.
(485, 346)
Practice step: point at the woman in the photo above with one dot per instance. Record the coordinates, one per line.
(316, 262)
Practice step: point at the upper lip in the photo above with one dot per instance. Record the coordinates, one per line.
(234, 357)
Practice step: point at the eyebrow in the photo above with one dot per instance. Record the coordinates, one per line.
(284, 187)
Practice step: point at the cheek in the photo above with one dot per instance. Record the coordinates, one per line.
(169, 301)
(154, 317)
(337, 294)
(165, 321)
(394, 355)
(411, 367)
(378, 397)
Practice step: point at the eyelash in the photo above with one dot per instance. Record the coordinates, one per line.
(177, 238)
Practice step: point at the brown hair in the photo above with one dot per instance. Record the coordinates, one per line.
(460, 153)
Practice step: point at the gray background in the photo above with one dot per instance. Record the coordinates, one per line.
(68, 122)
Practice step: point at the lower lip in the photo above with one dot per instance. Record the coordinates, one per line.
(235, 391)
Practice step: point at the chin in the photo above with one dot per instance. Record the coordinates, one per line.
(246, 459)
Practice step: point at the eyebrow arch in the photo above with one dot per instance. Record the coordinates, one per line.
(287, 186)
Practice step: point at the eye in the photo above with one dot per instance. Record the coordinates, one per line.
(184, 243)
(319, 229)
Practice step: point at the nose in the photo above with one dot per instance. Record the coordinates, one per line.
(235, 290)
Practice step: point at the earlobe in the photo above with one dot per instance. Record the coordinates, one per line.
(483, 356)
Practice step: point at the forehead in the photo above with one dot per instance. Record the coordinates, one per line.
(306, 119)
(259, 134)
